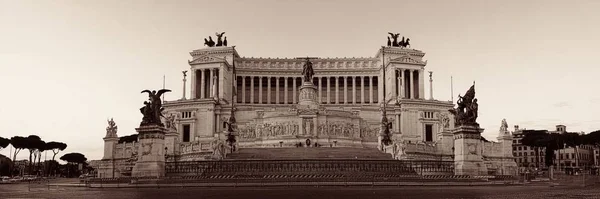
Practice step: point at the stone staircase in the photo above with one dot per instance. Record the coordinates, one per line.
(308, 153)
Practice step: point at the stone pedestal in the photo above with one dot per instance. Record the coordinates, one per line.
(307, 110)
(467, 151)
(308, 95)
(171, 142)
(445, 142)
(151, 152)
(508, 165)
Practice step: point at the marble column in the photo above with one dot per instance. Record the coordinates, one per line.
(243, 89)
(193, 84)
(320, 89)
(371, 89)
(328, 90)
(394, 84)
(251, 89)
(412, 83)
(400, 83)
(397, 129)
(315, 129)
(362, 89)
(421, 83)
(353, 89)
(430, 85)
(337, 90)
(345, 89)
(268, 90)
(285, 88)
(295, 97)
(202, 82)
(260, 93)
(212, 81)
(276, 90)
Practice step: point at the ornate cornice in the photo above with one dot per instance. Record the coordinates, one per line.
(296, 73)
(408, 60)
(331, 64)
(401, 51)
(206, 59)
(214, 50)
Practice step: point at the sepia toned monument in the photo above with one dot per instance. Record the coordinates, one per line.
(308, 108)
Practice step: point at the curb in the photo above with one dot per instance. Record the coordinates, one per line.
(289, 184)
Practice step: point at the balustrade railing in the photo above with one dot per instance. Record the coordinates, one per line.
(307, 166)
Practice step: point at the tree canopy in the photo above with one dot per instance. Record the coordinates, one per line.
(74, 158)
(55, 147)
(592, 138)
(535, 138)
(4, 142)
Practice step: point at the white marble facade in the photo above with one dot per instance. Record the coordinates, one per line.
(349, 93)
(347, 112)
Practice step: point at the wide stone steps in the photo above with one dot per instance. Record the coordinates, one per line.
(308, 153)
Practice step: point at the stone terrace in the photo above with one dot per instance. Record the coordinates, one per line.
(308, 153)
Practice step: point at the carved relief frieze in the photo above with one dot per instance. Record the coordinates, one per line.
(146, 148)
(254, 130)
(260, 114)
(308, 126)
(340, 129)
(206, 59)
(467, 136)
(151, 136)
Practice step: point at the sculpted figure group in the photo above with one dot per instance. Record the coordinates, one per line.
(341, 129)
(466, 112)
(152, 109)
(111, 129)
(211, 43)
(268, 130)
(403, 43)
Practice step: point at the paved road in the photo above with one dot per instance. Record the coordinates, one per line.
(527, 192)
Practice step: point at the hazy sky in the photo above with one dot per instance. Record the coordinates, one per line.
(67, 66)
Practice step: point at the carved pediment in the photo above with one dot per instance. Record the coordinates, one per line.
(206, 59)
(408, 60)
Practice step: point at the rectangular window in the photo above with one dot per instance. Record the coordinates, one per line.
(428, 133)
(186, 133)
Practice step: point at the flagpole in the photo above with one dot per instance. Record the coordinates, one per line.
(451, 90)
(163, 96)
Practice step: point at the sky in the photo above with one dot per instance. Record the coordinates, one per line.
(68, 66)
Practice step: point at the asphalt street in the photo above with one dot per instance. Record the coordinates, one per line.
(528, 192)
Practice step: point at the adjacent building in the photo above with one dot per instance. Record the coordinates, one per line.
(583, 157)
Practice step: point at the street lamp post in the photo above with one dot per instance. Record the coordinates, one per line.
(231, 123)
(385, 124)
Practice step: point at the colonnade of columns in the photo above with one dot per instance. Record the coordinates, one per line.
(285, 90)
(406, 83)
(203, 79)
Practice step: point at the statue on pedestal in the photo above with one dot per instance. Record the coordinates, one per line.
(504, 127)
(111, 129)
(395, 37)
(307, 71)
(152, 110)
(466, 112)
(170, 123)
